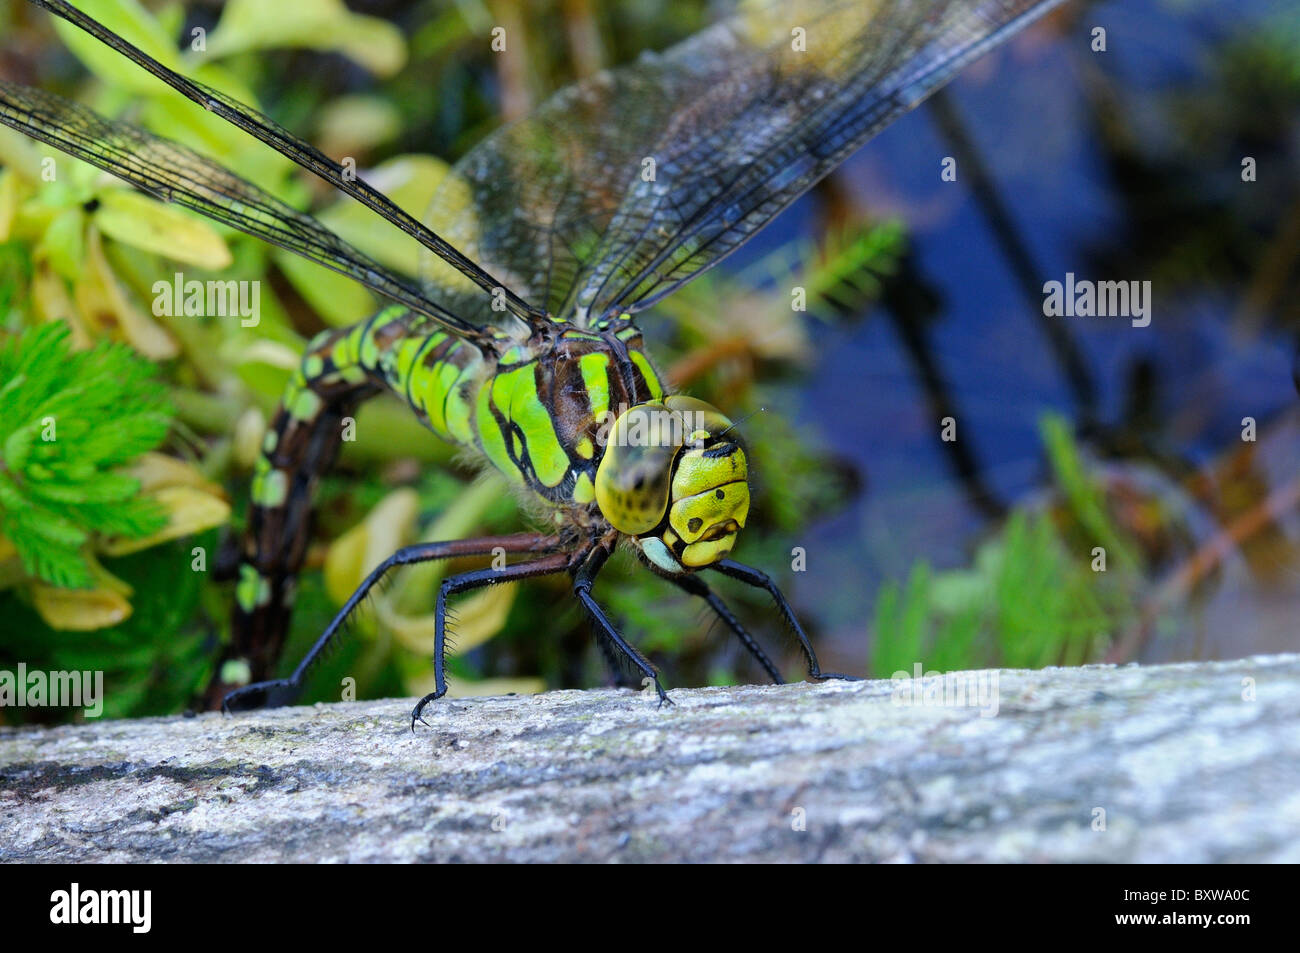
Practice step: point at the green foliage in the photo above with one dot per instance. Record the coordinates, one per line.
(845, 270)
(1084, 496)
(153, 663)
(15, 273)
(1030, 598)
(70, 421)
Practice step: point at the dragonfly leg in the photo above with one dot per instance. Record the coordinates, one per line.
(621, 678)
(284, 691)
(761, 580)
(583, 579)
(464, 582)
(697, 587)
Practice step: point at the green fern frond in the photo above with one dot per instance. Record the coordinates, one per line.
(847, 272)
(68, 421)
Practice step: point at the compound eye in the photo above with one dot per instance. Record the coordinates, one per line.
(701, 420)
(635, 474)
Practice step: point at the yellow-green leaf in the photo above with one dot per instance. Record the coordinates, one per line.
(105, 306)
(386, 529)
(315, 24)
(51, 301)
(355, 123)
(8, 202)
(478, 618)
(131, 21)
(338, 300)
(271, 353)
(80, 610)
(250, 431)
(64, 243)
(411, 592)
(158, 470)
(145, 223)
(19, 153)
(189, 510)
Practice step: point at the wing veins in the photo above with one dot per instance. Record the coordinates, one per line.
(304, 154)
(761, 174)
(180, 175)
(928, 77)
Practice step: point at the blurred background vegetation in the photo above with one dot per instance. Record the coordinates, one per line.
(1075, 436)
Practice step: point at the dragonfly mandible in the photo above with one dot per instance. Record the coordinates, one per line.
(518, 343)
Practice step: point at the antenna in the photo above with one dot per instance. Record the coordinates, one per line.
(760, 410)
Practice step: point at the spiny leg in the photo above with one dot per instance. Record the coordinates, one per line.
(583, 580)
(615, 663)
(283, 691)
(697, 587)
(761, 580)
(464, 582)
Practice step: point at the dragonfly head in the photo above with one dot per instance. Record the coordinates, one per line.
(675, 480)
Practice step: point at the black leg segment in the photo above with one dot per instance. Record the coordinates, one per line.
(464, 582)
(760, 580)
(697, 587)
(284, 691)
(583, 579)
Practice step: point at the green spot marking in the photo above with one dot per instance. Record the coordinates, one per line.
(595, 377)
(651, 378)
(271, 488)
(305, 405)
(459, 407)
(491, 438)
(549, 460)
(252, 590)
(369, 347)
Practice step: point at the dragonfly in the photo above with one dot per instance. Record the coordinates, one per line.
(519, 342)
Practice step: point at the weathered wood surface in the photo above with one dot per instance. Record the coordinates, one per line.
(1186, 766)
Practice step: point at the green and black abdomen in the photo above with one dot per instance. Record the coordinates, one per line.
(436, 373)
(535, 412)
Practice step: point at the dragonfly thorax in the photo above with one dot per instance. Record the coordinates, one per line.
(673, 480)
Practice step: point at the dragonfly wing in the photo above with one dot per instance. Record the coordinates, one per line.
(622, 188)
(266, 130)
(174, 173)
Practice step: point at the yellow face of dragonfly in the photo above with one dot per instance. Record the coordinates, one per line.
(674, 481)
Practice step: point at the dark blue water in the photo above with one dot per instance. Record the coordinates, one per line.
(1034, 112)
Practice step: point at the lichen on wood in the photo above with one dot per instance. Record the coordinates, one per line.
(1195, 762)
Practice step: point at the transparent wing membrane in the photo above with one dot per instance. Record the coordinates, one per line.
(304, 154)
(175, 173)
(616, 191)
(624, 187)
